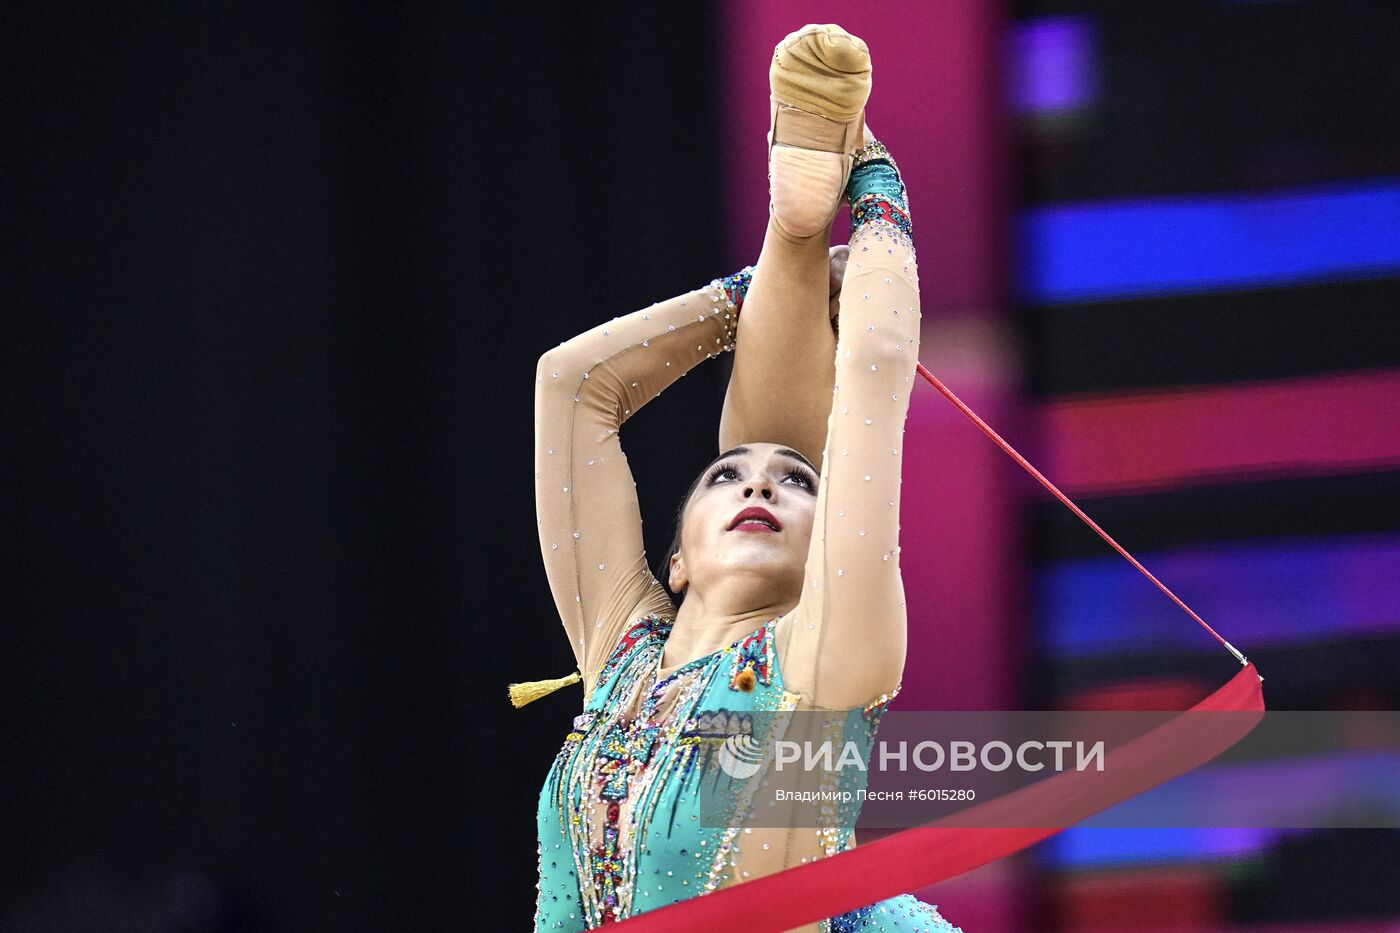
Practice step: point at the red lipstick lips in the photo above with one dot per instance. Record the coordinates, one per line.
(755, 519)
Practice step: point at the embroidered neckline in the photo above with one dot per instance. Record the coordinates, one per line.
(731, 648)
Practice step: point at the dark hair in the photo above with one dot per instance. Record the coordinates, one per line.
(663, 569)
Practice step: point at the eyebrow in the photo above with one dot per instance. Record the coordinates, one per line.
(789, 452)
(784, 451)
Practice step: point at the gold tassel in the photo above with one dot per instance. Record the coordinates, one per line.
(532, 690)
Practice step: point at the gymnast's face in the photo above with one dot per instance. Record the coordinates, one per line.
(750, 514)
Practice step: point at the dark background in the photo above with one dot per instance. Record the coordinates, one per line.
(280, 279)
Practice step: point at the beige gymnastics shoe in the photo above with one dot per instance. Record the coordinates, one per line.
(819, 82)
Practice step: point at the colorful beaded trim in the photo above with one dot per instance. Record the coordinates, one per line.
(876, 208)
(733, 288)
(876, 190)
(875, 709)
(875, 151)
(736, 286)
(753, 659)
(642, 628)
(853, 921)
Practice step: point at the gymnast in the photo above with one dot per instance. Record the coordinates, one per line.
(782, 588)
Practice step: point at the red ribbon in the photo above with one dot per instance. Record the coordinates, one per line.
(918, 857)
(958, 843)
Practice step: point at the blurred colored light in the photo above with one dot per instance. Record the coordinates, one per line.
(1151, 246)
(1111, 444)
(1052, 64)
(1101, 847)
(1278, 591)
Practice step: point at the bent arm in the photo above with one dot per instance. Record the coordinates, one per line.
(846, 642)
(589, 523)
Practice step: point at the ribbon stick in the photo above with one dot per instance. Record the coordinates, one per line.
(1011, 452)
(970, 838)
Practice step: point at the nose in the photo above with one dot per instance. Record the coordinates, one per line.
(759, 483)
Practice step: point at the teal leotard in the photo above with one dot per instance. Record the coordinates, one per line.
(620, 819)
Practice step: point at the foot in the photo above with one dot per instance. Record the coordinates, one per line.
(820, 81)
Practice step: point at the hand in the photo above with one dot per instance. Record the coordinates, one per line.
(837, 258)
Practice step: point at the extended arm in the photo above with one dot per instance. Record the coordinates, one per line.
(846, 642)
(585, 498)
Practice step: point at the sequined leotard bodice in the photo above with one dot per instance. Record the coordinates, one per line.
(616, 837)
(622, 807)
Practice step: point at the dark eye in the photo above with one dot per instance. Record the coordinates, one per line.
(722, 473)
(800, 478)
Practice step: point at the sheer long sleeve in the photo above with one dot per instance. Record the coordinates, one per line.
(846, 642)
(590, 526)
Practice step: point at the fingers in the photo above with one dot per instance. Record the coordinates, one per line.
(837, 260)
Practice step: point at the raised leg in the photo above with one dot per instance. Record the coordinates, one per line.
(784, 364)
(785, 351)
